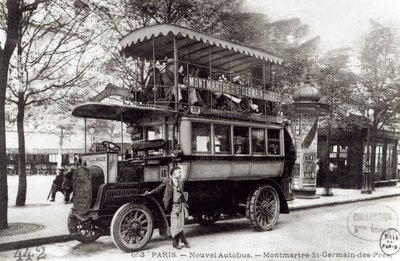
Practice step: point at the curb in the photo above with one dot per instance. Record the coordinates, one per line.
(64, 238)
(34, 242)
(294, 208)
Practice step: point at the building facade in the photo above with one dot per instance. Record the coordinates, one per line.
(348, 152)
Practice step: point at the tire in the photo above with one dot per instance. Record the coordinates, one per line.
(79, 234)
(132, 227)
(262, 208)
(207, 219)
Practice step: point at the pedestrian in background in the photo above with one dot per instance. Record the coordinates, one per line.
(174, 193)
(57, 184)
(67, 184)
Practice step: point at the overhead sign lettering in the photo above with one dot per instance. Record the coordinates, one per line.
(230, 88)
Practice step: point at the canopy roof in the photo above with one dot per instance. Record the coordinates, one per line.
(193, 46)
(129, 113)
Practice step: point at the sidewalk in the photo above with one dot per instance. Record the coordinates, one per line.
(53, 215)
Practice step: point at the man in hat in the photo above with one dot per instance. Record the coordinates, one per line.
(67, 183)
(57, 184)
(168, 79)
(175, 200)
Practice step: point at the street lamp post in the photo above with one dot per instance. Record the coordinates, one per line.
(367, 183)
(327, 166)
(91, 131)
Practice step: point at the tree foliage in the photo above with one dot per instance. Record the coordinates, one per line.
(52, 40)
(204, 15)
(379, 79)
(122, 17)
(290, 39)
(378, 82)
(336, 81)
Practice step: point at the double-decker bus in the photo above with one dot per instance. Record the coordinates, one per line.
(216, 118)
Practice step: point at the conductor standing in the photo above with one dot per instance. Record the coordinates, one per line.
(173, 193)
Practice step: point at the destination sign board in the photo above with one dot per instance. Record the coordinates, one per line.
(230, 88)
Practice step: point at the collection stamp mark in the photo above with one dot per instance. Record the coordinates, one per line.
(368, 222)
(389, 241)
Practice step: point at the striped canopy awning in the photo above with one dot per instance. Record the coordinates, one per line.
(194, 47)
(126, 113)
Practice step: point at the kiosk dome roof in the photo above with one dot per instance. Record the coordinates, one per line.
(307, 93)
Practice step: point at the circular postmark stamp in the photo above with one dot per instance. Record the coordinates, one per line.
(368, 222)
(390, 241)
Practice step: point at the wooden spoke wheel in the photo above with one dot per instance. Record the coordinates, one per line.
(262, 208)
(209, 218)
(132, 227)
(83, 231)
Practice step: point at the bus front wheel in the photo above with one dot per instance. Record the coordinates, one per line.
(83, 231)
(132, 227)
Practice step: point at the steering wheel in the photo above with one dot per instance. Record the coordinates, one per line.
(111, 146)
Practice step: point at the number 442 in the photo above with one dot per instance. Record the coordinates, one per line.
(25, 255)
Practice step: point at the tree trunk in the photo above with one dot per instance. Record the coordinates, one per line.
(3, 158)
(60, 146)
(21, 196)
(13, 25)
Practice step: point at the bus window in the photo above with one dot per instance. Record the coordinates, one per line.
(135, 131)
(274, 147)
(258, 141)
(201, 133)
(241, 139)
(222, 139)
(154, 133)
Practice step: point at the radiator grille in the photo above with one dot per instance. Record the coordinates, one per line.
(118, 196)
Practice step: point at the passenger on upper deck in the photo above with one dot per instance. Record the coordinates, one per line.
(203, 95)
(194, 94)
(230, 102)
(152, 80)
(168, 79)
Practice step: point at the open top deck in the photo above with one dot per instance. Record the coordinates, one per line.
(195, 47)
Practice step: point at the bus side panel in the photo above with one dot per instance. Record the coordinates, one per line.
(204, 170)
(267, 169)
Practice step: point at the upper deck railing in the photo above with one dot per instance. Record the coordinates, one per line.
(191, 68)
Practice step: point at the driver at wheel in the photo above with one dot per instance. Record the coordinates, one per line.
(173, 193)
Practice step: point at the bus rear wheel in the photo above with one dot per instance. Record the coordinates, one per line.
(132, 227)
(262, 208)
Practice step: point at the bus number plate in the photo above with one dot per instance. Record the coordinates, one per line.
(163, 172)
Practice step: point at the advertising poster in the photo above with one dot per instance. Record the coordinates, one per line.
(308, 152)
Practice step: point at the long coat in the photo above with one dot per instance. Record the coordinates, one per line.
(168, 189)
(179, 210)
